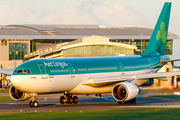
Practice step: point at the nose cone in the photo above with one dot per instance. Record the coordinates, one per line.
(15, 81)
(19, 82)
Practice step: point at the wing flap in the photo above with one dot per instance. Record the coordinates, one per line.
(105, 80)
(158, 75)
(99, 81)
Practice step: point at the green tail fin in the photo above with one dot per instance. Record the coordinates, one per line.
(157, 42)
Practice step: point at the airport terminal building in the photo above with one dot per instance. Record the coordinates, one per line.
(19, 43)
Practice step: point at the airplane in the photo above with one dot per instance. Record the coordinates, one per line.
(119, 75)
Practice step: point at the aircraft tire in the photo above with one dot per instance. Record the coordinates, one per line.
(35, 103)
(75, 99)
(62, 100)
(31, 104)
(69, 100)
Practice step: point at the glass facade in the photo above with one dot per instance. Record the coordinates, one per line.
(137, 43)
(169, 47)
(97, 50)
(101, 50)
(17, 51)
(56, 41)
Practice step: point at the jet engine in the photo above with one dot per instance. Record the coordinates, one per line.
(125, 91)
(17, 95)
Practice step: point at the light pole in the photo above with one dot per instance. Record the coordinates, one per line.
(132, 41)
(141, 41)
(129, 40)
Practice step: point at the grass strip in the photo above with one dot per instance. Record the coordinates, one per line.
(125, 114)
(5, 99)
(4, 91)
(167, 96)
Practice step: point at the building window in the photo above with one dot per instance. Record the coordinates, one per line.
(137, 43)
(17, 51)
(97, 50)
(169, 47)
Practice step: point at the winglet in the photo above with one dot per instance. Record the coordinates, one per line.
(157, 42)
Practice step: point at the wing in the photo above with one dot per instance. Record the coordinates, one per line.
(6, 71)
(99, 81)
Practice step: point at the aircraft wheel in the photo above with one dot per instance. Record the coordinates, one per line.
(69, 100)
(75, 99)
(35, 103)
(62, 99)
(31, 104)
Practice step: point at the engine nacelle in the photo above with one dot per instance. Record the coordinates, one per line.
(17, 95)
(125, 91)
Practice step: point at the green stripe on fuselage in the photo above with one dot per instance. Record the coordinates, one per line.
(64, 66)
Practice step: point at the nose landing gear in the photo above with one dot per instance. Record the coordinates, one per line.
(33, 103)
(69, 99)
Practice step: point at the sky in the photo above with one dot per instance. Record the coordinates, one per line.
(110, 13)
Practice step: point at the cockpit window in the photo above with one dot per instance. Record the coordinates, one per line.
(27, 71)
(22, 71)
(15, 71)
(19, 71)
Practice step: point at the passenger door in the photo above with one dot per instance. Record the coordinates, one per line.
(121, 68)
(43, 71)
(72, 70)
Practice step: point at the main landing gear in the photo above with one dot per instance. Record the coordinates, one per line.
(132, 101)
(69, 99)
(33, 103)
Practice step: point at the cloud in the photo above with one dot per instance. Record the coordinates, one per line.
(16, 15)
(106, 12)
(109, 13)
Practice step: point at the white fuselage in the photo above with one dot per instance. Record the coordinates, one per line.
(71, 83)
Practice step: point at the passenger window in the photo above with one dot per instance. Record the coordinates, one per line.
(27, 71)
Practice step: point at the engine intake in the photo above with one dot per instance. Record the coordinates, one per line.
(17, 95)
(125, 91)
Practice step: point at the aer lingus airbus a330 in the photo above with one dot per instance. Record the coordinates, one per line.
(118, 75)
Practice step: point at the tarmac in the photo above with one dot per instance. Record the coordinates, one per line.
(50, 103)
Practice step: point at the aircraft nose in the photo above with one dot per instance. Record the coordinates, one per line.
(19, 82)
(15, 81)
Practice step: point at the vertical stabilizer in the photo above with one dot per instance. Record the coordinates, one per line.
(157, 42)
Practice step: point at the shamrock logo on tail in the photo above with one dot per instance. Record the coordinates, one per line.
(161, 34)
